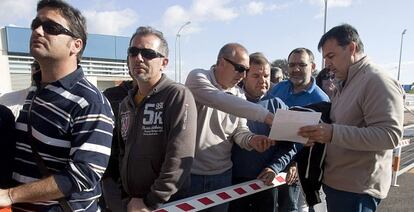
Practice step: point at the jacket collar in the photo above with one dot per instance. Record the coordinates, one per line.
(354, 70)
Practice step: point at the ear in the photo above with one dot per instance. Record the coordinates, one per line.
(76, 46)
(353, 48)
(164, 63)
(313, 67)
(219, 62)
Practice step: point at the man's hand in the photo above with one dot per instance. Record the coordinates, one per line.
(261, 143)
(292, 174)
(137, 205)
(267, 176)
(269, 119)
(321, 133)
(5, 200)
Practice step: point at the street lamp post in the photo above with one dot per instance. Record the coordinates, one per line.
(399, 62)
(178, 39)
(324, 28)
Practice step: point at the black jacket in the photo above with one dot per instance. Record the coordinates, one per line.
(7, 144)
(115, 95)
(310, 160)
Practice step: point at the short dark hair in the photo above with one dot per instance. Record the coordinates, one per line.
(75, 19)
(274, 70)
(344, 34)
(258, 58)
(318, 78)
(302, 50)
(147, 30)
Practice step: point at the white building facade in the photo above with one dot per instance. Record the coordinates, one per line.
(104, 59)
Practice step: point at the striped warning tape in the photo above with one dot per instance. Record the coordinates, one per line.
(404, 142)
(217, 197)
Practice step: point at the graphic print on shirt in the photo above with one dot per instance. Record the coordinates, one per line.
(124, 124)
(152, 123)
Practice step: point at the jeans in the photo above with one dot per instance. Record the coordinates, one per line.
(264, 201)
(288, 196)
(343, 201)
(205, 183)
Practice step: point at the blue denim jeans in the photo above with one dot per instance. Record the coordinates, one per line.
(205, 183)
(288, 196)
(343, 201)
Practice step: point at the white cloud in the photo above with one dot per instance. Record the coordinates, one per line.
(332, 3)
(255, 8)
(200, 11)
(13, 11)
(110, 22)
(212, 10)
(259, 7)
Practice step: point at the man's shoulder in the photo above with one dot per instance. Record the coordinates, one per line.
(175, 90)
(87, 94)
(281, 87)
(120, 90)
(319, 94)
(197, 73)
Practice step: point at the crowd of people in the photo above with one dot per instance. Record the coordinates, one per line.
(69, 147)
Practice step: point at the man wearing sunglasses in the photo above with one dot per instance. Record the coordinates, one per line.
(64, 130)
(220, 104)
(299, 90)
(157, 127)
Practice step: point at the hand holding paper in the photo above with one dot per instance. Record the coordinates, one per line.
(287, 123)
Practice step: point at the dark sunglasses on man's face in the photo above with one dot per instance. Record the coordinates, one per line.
(328, 77)
(51, 27)
(239, 68)
(146, 53)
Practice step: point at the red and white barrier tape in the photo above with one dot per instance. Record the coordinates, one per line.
(404, 142)
(217, 197)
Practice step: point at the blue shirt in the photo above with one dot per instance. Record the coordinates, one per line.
(284, 91)
(249, 164)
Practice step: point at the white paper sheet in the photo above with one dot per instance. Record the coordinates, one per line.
(286, 124)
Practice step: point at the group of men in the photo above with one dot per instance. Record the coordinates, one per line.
(173, 141)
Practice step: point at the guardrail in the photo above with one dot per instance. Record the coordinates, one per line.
(403, 155)
(409, 99)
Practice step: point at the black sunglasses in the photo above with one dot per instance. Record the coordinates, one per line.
(328, 77)
(146, 53)
(51, 27)
(239, 68)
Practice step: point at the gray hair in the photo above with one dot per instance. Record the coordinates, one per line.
(147, 30)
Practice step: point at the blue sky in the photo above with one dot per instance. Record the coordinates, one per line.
(272, 27)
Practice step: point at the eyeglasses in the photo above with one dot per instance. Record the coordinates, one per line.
(301, 65)
(328, 77)
(51, 27)
(146, 53)
(239, 68)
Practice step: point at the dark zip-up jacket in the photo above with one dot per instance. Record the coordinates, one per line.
(157, 142)
(115, 95)
(311, 160)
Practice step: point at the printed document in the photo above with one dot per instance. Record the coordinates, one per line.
(286, 124)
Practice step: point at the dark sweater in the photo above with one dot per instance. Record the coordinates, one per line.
(7, 144)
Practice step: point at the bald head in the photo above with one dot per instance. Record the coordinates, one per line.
(232, 50)
(232, 63)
